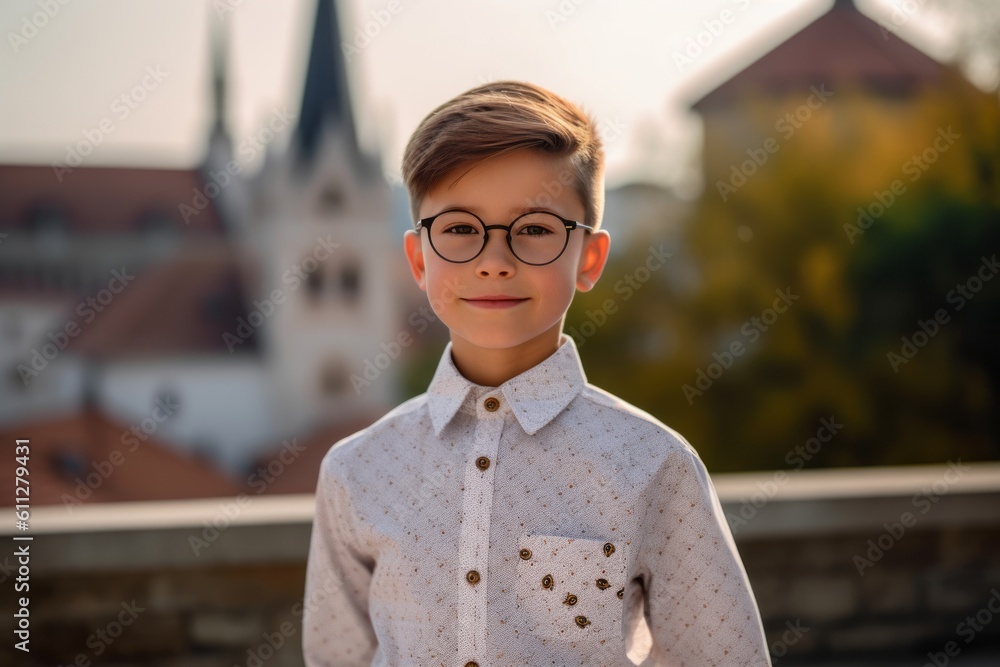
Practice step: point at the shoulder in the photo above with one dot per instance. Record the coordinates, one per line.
(645, 436)
(372, 443)
(659, 459)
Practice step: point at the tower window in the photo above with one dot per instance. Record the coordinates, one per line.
(332, 198)
(333, 379)
(350, 279)
(314, 284)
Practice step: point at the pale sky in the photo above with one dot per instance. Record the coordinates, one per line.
(619, 61)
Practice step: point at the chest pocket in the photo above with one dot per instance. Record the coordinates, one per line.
(571, 589)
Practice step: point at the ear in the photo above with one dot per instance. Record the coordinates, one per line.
(593, 257)
(415, 256)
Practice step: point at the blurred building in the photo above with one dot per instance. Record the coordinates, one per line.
(261, 306)
(840, 53)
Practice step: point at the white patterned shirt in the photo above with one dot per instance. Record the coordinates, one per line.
(541, 522)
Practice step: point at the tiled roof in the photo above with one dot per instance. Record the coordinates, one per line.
(104, 200)
(301, 474)
(72, 460)
(184, 305)
(841, 47)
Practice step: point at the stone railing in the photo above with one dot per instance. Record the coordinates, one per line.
(887, 566)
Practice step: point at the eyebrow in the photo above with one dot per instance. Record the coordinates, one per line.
(512, 211)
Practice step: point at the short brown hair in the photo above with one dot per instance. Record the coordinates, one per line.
(498, 118)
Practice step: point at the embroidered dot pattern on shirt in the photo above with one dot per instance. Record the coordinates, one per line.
(525, 524)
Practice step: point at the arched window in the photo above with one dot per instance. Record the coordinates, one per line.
(331, 198)
(334, 379)
(350, 282)
(314, 284)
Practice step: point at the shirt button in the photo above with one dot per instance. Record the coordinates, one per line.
(483, 462)
(491, 404)
(472, 577)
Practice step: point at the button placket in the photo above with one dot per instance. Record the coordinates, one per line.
(477, 504)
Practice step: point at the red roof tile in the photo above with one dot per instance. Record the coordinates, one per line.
(301, 474)
(103, 200)
(181, 306)
(90, 458)
(841, 47)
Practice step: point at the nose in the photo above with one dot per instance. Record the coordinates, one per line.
(496, 258)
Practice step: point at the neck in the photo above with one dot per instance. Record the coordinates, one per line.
(491, 367)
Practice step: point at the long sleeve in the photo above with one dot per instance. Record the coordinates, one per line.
(698, 605)
(336, 630)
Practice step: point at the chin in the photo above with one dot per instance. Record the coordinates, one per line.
(495, 340)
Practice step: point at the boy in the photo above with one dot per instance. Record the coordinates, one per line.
(515, 514)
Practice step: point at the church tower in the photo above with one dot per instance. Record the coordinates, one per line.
(323, 232)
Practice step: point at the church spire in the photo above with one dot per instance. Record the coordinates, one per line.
(326, 95)
(219, 48)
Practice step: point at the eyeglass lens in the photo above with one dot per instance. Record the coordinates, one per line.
(536, 238)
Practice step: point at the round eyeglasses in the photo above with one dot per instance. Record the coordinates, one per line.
(535, 237)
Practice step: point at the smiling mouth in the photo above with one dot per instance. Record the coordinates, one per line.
(495, 302)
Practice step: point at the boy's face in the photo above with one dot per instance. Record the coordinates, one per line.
(491, 189)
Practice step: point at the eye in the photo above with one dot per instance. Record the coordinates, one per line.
(460, 230)
(538, 224)
(535, 230)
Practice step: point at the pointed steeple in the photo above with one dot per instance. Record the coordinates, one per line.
(220, 48)
(326, 95)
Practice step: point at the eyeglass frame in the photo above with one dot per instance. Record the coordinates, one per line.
(425, 223)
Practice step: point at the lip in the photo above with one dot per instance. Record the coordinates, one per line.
(495, 301)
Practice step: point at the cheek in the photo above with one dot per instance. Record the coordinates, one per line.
(557, 286)
(443, 284)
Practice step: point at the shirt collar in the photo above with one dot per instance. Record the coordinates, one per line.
(536, 396)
